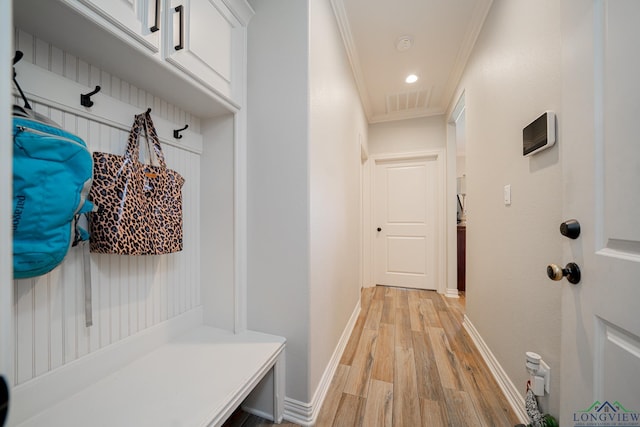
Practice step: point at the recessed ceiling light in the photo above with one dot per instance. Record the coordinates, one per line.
(404, 43)
(411, 78)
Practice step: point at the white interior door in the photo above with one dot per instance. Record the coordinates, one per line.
(405, 212)
(600, 378)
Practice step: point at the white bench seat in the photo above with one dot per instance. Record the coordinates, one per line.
(196, 379)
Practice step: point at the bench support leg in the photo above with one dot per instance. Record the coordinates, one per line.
(279, 388)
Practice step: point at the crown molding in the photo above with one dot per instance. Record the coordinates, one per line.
(405, 115)
(478, 17)
(345, 31)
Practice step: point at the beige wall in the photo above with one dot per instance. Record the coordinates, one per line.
(305, 128)
(409, 135)
(337, 128)
(278, 186)
(513, 76)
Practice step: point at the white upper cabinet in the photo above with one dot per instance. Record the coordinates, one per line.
(199, 36)
(189, 52)
(140, 19)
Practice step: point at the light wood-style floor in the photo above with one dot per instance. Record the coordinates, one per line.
(409, 362)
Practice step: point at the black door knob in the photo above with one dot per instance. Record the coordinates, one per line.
(570, 229)
(4, 400)
(571, 271)
(379, 229)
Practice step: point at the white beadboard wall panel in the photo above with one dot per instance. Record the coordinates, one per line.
(51, 58)
(129, 293)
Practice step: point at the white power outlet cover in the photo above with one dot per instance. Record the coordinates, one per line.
(547, 377)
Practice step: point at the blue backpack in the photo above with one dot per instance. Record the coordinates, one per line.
(52, 175)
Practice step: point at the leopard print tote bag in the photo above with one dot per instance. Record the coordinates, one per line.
(139, 206)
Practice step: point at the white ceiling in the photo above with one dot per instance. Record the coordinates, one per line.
(443, 33)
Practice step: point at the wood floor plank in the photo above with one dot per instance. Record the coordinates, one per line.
(445, 359)
(475, 381)
(457, 336)
(383, 362)
(374, 315)
(379, 292)
(350, 411)
(406, 402)
(415, 316)
(358, 380)
(378, 409)
(456, 306)
(489, 411)
(460, 410)
(402, 298)
(437, 299)
(433, 413)
(389, 310)
(403, 329)
(429, 314)
(352, 345)
(333, 397)
(428, 378)
(366, 295)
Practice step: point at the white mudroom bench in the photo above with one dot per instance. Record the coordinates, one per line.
(196, 377)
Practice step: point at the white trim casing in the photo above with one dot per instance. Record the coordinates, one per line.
(6, 264)
(515, 399)
(451, 197)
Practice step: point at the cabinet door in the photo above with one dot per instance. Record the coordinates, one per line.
(199, 41)
(140, 19)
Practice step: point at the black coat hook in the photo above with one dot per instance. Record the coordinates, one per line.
(85, 98)
(18, 56)
(176, 132)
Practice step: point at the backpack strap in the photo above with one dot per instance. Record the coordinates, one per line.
(86, 262)
(81, 238)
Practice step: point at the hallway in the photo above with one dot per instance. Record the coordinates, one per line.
(409, 362)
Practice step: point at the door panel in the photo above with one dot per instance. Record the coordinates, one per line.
(136, 17)
(601, 168)
(615, 348)
(206, 29)
(406, 213)
(406, 194)
(620, 105)
(406, 254)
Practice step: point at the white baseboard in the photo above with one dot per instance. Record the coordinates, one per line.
(304, 413)
(515, 399)
(451, 293)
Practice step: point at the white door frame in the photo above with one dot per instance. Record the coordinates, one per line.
(439, 157)
(451, 199)
(6, 262)
(365, 256)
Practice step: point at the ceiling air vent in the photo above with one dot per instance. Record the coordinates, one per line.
(408, 101)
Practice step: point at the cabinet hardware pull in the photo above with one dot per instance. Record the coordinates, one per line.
(156, 25)
(180, 10)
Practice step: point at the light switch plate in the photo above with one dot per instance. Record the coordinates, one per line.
(507, 195)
